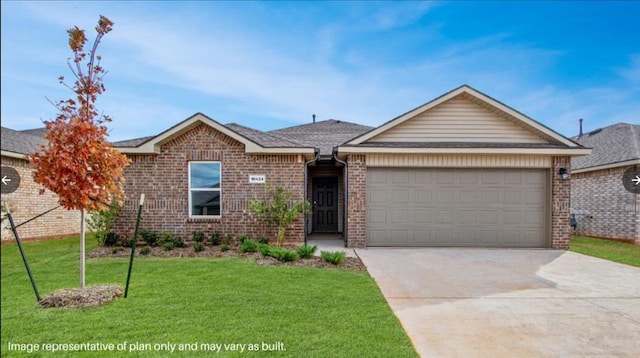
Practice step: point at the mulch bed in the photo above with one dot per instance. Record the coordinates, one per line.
(82, 297)
(350, 263)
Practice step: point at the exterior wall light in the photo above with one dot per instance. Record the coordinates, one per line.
(564, 174)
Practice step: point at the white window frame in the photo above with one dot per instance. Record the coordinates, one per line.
(200, 189)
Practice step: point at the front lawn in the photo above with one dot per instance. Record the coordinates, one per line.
(606, 249)
(191, 305)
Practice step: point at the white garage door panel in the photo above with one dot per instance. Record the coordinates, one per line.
(456, 207)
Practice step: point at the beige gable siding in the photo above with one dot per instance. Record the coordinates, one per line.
(458, 120)
(458, 161)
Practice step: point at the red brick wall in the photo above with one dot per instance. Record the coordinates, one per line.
(26, 202)
(163, 178)
(602, 206)
(357, 210)
(560, 203)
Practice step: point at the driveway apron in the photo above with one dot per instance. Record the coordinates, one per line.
(510, 303)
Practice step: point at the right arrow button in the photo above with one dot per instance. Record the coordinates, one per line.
(631, 179)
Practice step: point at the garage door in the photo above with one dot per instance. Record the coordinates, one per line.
(456, 207)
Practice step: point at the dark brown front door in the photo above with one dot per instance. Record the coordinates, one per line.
(325, 204)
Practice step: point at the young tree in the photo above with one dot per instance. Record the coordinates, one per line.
(278, 210)
(78, 163)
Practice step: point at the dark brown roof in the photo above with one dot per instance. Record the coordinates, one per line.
(322, 134)
(19, 141)
(613, 144)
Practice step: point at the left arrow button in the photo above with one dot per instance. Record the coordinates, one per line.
(10, 180)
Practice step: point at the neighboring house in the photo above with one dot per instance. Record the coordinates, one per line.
(26, 202)
(460, 170)
(601, 205)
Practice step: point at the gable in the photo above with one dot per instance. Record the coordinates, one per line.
(153, 145)
(460, 119)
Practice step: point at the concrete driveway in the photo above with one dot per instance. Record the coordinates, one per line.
(510, 303)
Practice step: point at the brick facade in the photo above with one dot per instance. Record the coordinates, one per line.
(560, 203)
(163, 178)
(357, 208)
(603, 208)
(26, 203)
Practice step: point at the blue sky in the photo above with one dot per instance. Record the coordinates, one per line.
(270, 65)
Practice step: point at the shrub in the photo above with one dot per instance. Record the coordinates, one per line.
(145, 251)
(215, 238)
(165, 240)
(264, 249)
(263, 240)
(198, 246)
(224, 247)
(177, 241)
(334, 257)
(248, 245)
(149, 237)
(282, 254)
(243, 238)
(197, 236)
(306, 251)
(279, 209)
(110, 239)
(228, 239)
(101, 223)
(125, 242)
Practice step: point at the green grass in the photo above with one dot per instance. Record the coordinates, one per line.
(309, 312)
(606, 249)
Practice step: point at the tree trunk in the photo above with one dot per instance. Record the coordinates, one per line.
(82, 249)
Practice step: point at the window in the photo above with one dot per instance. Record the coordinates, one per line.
(205, 194)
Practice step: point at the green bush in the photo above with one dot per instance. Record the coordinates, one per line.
(215, 238)
(110, 239)
(334, 257)
(165, 239)
(249, 245)
(177, 241)
(145, 251)
(243, 238)
(263, 240)
(126, 242)
(228, 239)
(101, 223)
(279, 209)
(264, 249)
(197, 236)
(149, 237)
(306, 251)
(224, 247)
(282, 254)
(198, 246)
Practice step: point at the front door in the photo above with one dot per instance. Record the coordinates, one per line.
(325, 204)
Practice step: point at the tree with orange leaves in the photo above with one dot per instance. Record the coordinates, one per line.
(78, 163)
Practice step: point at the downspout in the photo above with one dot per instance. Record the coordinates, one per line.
(316, 152)
(345, 206)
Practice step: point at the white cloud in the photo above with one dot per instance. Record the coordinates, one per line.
(163, 68)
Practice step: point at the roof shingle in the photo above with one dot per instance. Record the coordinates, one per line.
(322, 134)
(19, 141)
(613, 144)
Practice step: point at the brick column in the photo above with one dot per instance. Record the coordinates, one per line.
(560, 203)
(356, 210)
